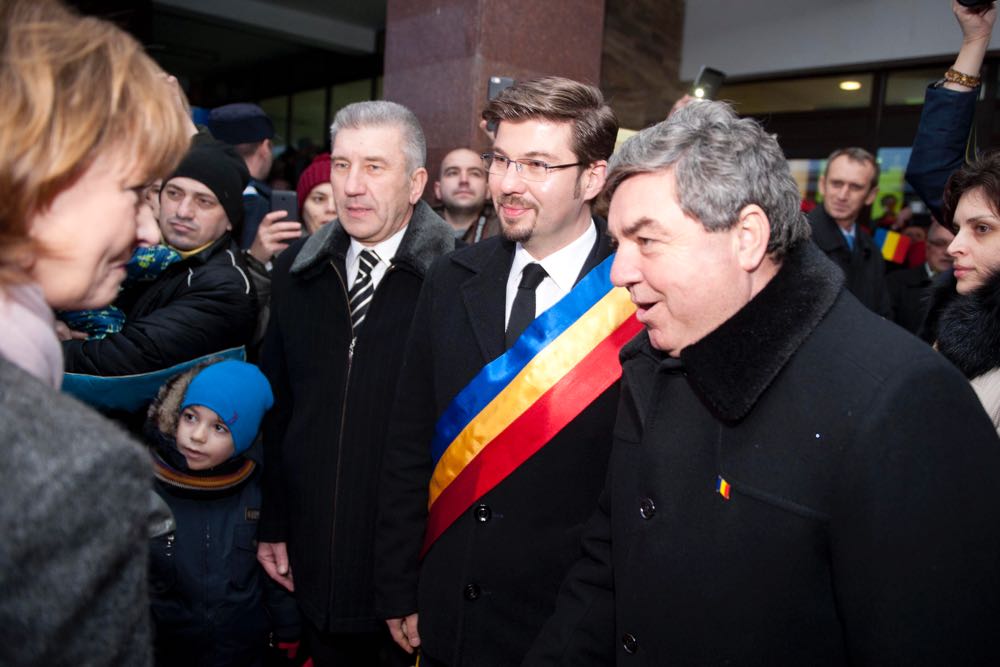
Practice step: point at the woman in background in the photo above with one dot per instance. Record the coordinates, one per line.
(86, 122)
(964, 316)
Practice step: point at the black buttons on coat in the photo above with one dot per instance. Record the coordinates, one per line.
(630, 643)
(471, 592)
(647, 508)
(482, 513)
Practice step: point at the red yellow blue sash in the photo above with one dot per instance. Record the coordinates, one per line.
(564, 360)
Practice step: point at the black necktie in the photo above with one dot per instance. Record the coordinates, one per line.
(362, 291)
(522, 312)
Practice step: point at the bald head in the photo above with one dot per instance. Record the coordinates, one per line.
(462, 183)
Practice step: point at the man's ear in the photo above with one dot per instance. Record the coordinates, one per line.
(594, 178)
(753, 234)
(437, 190)
(418, 181)
(870, 199)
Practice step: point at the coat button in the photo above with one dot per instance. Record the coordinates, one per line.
(647, 508)
(482, 513)
(471, 592)
(630, 643)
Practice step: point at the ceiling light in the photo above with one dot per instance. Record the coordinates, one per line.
(850, 85)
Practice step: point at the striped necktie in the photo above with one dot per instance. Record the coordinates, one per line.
(363, 289)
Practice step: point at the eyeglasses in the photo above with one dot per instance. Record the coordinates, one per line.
(529, 170)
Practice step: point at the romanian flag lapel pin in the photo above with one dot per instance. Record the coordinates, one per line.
(722, 486)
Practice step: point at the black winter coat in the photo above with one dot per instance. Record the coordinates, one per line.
(859, 527)
(863, 266)
(200, 305)
(324, 437)
(489, 582)
(909, 291)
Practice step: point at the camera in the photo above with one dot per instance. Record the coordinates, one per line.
(976, 3)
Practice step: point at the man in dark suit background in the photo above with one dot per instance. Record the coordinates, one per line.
(848, 186)
(908, 288)
(487, 584)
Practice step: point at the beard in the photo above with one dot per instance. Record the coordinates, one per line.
(517, 232)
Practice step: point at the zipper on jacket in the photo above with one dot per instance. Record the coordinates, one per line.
(343, 415)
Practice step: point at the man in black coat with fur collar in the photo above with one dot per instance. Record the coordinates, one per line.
(343, 301)
(781, 490)
(483, 589)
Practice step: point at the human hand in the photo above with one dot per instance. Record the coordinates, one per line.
(63, 332)
(273, 557)
(976, 22)
(404, 632)
(180, 99)
(273, 236)
(681, 103)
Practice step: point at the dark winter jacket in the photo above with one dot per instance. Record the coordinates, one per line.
(863, 266)
(488, 583)
(909, 291)
(212, 602)
(197, 306)
(324, 438)
(790, 493)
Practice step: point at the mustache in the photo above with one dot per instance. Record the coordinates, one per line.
(514, 201)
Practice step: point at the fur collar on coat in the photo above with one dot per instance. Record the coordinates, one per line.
(966, 328)
(733, 366)
(427, 237)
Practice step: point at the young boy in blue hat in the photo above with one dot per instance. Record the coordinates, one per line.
(212, 604)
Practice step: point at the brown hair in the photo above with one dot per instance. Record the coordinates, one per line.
(73, 88)
(553, 98)
(983, 174)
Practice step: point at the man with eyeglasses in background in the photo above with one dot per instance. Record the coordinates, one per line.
(498, 445)
(909, 289)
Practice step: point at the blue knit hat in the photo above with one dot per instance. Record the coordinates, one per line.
(236, 391)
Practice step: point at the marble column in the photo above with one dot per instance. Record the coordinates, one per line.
(440, 54)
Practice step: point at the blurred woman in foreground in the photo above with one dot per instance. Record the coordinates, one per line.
(964, 316)
(86, 121)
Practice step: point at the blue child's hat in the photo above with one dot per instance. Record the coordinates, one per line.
(236, 391)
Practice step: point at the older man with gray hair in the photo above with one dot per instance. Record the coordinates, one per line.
(342, 303)
(781, 491)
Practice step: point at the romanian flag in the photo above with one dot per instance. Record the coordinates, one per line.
(722, 486)
(893, 244)
(564, 360)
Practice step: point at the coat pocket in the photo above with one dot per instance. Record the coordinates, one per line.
(243, 565)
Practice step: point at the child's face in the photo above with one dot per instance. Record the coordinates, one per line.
(203, 438)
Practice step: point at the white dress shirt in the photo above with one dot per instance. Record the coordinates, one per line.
(563, 268)
(385, 250)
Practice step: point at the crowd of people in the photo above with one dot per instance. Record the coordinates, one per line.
(705, 428)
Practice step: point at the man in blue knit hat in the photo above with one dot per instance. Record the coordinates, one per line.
(249, 130)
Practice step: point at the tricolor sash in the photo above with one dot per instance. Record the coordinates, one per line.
(562, 362)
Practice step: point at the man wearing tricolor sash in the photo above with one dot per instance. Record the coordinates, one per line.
(499, 439)
(781, 491)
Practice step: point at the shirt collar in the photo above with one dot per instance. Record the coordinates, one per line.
(385, 249)
(563, 266)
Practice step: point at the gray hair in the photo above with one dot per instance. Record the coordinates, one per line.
(721, 164)
(381, 113)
